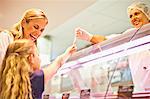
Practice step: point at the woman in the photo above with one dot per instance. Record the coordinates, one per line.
(20, 73)
(30, 27)
(139, 14)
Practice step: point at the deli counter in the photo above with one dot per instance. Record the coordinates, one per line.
(105, 70)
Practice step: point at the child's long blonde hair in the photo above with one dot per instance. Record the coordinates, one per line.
(14, 72)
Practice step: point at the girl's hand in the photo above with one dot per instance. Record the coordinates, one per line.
(70, 50)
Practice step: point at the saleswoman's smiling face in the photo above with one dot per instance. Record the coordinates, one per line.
(138, 18)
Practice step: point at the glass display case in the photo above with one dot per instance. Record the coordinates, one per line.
(103, 69)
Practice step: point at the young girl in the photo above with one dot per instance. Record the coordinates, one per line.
(20, 73)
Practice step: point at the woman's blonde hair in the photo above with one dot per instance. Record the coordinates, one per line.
(15, 71)
(28, 15)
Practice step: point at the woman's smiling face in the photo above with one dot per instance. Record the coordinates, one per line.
(138, 18)
(33, 28)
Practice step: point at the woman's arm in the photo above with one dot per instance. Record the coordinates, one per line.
(97, 39)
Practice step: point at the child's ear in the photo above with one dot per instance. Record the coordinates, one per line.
(30, 58)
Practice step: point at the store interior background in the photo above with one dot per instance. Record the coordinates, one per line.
(103, 17)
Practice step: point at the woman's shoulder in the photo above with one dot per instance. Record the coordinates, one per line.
(129, 30)
(142, 29)
(6, 33)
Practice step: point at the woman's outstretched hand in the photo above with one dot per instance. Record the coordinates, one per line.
(83, 34)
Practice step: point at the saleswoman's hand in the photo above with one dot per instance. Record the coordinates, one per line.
(83, 34)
